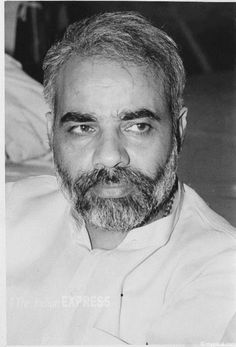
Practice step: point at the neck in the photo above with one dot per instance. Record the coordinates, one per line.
(104, 239)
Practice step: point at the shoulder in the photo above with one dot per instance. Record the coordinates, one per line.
(36, 214)
(31, 190)
(199, 215)
(203, 251)
(202, 238)
(30, 186)
(202, 235)
(33, 197)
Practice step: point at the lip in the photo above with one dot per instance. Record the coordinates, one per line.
(112, 190)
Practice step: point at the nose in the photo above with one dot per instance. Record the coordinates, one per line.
(110, 152)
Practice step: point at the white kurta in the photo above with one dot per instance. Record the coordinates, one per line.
(172, 281)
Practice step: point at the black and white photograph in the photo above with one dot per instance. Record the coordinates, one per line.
(120, 173)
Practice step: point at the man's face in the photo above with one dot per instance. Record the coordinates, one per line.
(112, 141)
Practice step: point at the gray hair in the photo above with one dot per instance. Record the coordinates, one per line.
(122, 36)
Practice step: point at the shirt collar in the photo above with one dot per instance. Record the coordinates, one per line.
(155, 234)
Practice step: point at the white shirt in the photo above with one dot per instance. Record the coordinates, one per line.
(172, 281)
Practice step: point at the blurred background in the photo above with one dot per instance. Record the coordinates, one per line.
(205, 34)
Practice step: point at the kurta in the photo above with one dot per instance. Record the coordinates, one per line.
(171, 281)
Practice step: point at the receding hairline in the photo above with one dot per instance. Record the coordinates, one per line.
(146, 69)
(137, 40)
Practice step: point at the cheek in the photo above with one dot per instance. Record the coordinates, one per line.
(69, 156)
(149, 158)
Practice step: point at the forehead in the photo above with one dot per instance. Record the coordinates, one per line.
(108, 86)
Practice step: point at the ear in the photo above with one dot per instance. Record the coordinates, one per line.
(182, 122)
(49, 117)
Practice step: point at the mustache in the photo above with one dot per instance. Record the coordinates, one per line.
(125, 175)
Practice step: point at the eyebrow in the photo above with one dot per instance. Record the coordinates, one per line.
(125, 116)
(142, 113)
(76, 117)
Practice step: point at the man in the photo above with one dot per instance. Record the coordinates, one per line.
(127, 254)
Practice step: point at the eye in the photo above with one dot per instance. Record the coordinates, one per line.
(82, 129)
(139, 128)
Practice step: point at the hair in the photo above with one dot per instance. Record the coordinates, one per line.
(126, 37)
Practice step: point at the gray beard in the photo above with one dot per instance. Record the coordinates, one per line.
(148, 197)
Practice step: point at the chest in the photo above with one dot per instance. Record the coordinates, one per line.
(119, 294)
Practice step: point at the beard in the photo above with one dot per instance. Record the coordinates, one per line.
(147, 199)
